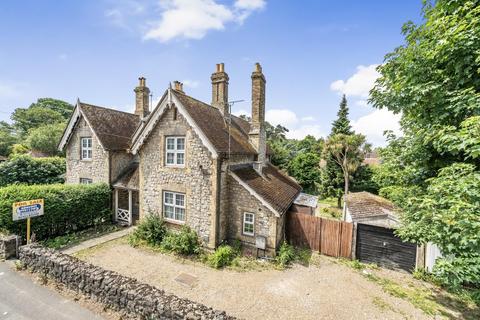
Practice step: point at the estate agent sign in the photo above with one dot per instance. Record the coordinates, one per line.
(26, 210)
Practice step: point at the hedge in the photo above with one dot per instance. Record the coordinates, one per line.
(67, 208)
(28, 170)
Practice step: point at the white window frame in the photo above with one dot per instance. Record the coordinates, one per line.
(175, 151)
(252, 223)
(175, 206)
(86, 181)
(87, 148)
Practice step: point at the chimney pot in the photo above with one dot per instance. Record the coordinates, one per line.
(142, 98)
(177, 85)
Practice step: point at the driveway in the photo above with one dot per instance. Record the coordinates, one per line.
(326, 290)
(21, 299)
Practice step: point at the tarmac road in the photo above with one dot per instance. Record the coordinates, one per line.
(21, 299)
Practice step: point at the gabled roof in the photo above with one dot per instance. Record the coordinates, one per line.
(113, 128)
(276, 189)
(210, 122)
(365, 204)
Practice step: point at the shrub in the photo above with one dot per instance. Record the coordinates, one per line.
(286, 254)
(222, 257)
(28, 170)
(184, 242)
(68, 208)
(152, 230)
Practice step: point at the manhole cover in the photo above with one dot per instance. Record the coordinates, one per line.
(186, 279)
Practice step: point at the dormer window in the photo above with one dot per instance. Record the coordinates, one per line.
(175, 151)
(86, 148)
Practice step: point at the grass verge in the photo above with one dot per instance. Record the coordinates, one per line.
(75, 238)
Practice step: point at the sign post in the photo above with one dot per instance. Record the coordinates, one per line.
(26, 210)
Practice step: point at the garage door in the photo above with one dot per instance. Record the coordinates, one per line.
(379, 245)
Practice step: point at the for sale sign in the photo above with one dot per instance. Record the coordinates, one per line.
(27, 209)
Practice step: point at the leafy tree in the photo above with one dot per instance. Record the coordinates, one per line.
(46, 138)
(304, 168)
(433, 80)
(346, 150)
(362, 179)
(310, 144)
(7, 138)
(44, 111)
(448, 215)
(331, 183)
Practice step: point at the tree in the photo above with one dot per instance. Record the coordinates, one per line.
(44, 111)
(331, 183)
(304, 168)
(346, 151)
(7, 138)
(45, 138)
(433, 80)
(342, 123)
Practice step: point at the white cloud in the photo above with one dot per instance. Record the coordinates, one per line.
(375, 123)
(241, 112)
(191, 83)
(298, 128)
(358, 84)
(123, 12)
(192, 19)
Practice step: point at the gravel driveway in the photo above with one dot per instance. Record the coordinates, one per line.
(327, 290)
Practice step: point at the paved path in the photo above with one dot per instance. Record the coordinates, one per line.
(96, 241)
(21, 299)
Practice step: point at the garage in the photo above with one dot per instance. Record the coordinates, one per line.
(379, 245)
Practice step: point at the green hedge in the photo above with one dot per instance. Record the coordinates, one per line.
(28, 170)
(67, 208)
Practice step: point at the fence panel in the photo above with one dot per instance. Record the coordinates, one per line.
(329, 237)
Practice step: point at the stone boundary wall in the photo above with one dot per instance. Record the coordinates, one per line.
(129, 296)
(8, 247)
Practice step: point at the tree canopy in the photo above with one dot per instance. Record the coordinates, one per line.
(433, 81)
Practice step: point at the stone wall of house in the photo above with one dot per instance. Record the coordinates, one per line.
(119, 162)
(224, 193)
(240, 201)
(95, 169)
(126, 295)
(196, 179)
(8, 246)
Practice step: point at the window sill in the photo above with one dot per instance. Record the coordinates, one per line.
(86, 160)
(174, 221)
(248, 235)
(175, 166)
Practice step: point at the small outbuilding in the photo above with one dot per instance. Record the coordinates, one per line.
(365, 207)
(305, 203)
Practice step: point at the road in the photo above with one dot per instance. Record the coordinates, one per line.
(21, 299)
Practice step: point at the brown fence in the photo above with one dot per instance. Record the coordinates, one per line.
(329, 237)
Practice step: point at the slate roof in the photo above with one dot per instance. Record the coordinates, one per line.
(273, 186)
(113, 128)
(214, 126)
(128, 178)
(365, 204)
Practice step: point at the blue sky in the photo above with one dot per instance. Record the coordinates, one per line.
(311, 52)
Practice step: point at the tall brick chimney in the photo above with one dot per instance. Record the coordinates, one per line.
(257, 134)
(220, 89)
(177, 85)
(142, 99)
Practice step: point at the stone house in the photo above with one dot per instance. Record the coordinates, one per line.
(191, 162)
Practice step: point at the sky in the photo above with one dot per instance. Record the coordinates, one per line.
(311, 52)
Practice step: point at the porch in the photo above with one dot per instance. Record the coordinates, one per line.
(126, 196)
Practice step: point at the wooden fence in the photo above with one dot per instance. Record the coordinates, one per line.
(329, 237)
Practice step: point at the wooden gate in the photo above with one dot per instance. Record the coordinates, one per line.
(329, 237)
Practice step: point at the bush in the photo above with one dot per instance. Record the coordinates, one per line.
(286, 254)
(152, 230)
(68, 208)
(184, 242)
(222, 257)
(28, 170)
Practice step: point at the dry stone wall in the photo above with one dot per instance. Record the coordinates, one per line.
(8, 246)
(124, 294)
